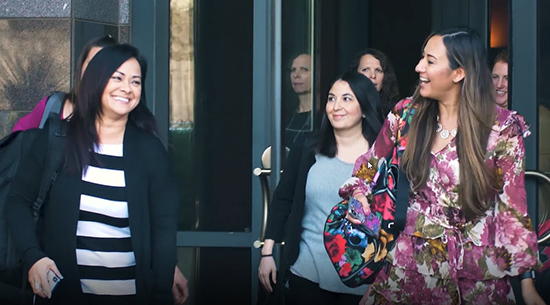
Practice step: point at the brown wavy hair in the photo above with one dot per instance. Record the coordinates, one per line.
(476, 114)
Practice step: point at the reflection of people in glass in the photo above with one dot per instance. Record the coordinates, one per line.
(375, 65)
(300, 123)
(309, 188)
(467, 230)
(500, 78)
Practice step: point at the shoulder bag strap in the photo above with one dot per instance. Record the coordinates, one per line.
(56, 142)
(53, 105)
(403, 191)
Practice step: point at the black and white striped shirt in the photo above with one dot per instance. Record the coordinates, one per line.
(104, 250)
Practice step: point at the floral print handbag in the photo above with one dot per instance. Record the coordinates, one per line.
(359, 251)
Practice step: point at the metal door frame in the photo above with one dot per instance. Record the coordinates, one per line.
(150, 32)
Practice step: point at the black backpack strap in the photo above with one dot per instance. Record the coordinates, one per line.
(401, 200)
(53, 105)
(56, 142)
(403, 184)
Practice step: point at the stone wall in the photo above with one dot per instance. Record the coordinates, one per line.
(40, 42)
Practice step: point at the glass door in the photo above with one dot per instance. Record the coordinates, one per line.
(233, 92)
(210, 140)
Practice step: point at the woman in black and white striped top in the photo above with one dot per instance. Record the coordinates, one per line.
(109, 224)
(104, 252)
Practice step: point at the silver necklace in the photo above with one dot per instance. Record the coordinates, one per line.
(445, 133)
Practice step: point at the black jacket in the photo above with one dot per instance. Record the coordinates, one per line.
(152, 205)
(284, 222)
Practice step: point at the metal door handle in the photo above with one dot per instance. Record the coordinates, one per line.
(262, 174)
(544, 177)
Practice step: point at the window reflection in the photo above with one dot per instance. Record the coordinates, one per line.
(182, 96)
(182, 74)
(298, 77)
(211, 112)
(300, 124)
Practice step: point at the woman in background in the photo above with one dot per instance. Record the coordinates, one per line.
(500, 78)
(300, 124)
(500, 81)
(32, 120)
(376, 66)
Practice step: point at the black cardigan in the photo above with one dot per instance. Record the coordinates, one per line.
(284, 222)
(152, 206)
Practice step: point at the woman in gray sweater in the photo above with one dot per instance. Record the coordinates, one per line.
(309, 189)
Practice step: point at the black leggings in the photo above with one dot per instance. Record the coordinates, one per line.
(303, 292)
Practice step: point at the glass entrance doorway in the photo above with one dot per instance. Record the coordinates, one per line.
(227, 79)
(245, 75)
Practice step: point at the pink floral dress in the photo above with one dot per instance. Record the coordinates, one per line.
(440, 258)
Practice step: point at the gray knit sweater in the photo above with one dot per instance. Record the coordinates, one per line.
(323, 181)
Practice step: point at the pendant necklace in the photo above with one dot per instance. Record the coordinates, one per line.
(445, 133)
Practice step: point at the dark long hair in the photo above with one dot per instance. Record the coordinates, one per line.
(82, 133)
(369, 101)
(389, 94)
(99, 42)
(476, 114)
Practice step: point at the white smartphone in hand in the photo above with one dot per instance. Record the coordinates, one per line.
(53, 279)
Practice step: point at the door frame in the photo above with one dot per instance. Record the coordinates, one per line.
(151, 19)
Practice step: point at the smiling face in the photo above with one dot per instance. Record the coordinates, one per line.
(500, 80)
(437, 80)
(300, 74)
(123, 91)
(371, 68)
(343, 109)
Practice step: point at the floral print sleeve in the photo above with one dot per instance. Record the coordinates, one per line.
(515, 240)
(453, 260)
(366, 166)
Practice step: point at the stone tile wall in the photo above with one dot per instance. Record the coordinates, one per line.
(39, 43)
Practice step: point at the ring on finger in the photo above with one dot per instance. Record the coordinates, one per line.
(37, 285)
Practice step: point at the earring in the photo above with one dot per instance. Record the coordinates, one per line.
(363, 116)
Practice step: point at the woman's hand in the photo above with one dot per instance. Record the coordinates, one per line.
(38, 277)
(530, 294)
(366, 207)
(180, 290)
(267, 271)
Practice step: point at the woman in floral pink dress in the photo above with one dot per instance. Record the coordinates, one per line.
(467, 230)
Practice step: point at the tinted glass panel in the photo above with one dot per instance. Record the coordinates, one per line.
(297, 94)
(211, 112)
(216, 275)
